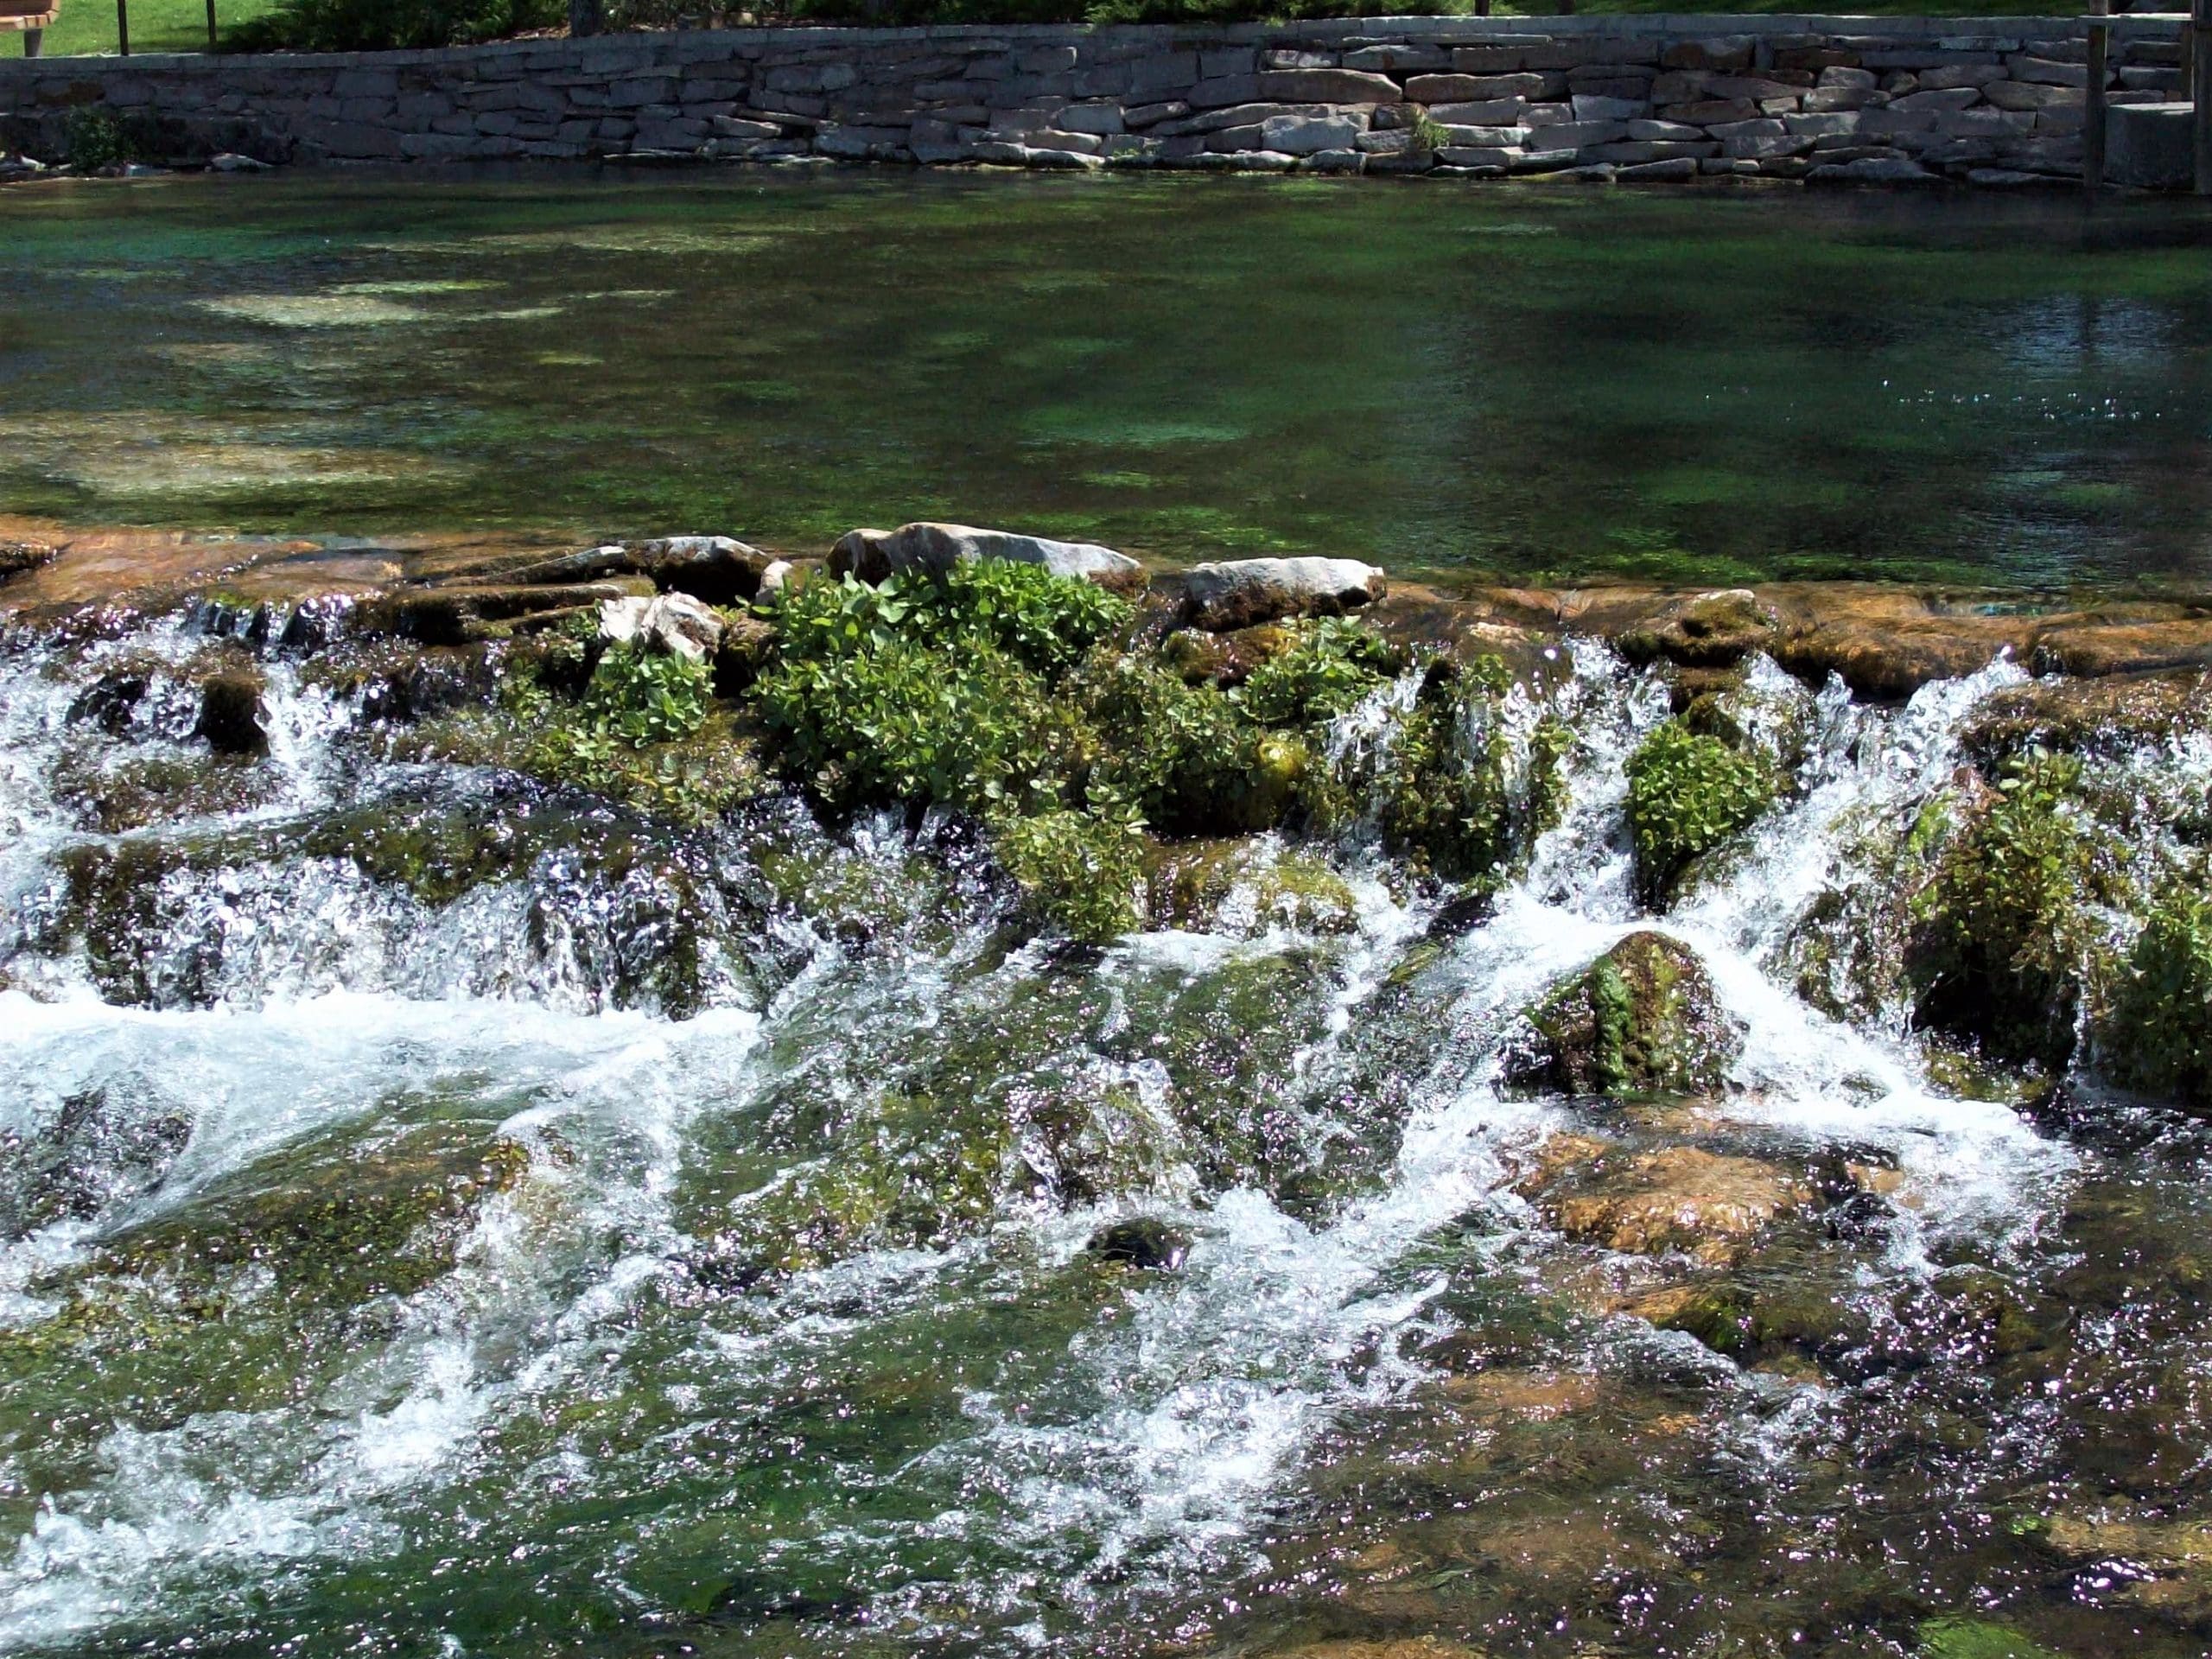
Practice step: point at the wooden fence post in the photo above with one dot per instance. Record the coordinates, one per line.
(211, 25)
(123, 27)
(2092, 114)
(2200, 119)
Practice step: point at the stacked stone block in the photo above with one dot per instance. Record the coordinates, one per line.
(1993, 101)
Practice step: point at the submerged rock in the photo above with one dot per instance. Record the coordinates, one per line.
(1641, 1020)
(2087, 716)
(674, 625)
(1714, 630)
(1707, 1204)
(464, 613)
(1240, 593)
(871, 556)
(232, 717)
(18, 558)
(1142, 1242)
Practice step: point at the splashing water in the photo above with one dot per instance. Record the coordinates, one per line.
(386, 1271)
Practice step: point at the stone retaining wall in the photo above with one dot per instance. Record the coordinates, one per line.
(1991, 100)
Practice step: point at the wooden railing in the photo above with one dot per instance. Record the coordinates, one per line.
(2196, 79)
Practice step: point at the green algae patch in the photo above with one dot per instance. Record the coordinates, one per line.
(1957, 1636)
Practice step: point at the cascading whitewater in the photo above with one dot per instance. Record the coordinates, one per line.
(449, 1290)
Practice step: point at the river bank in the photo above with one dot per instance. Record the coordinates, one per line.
(1985, 101)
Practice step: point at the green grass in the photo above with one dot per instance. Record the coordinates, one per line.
(88, 26)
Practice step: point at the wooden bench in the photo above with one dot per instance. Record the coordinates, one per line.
(30, 17)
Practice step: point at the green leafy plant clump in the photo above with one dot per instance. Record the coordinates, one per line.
(1078, 873)
(2155, 1035)
(2001, 928)
(97, 138)
(1001, 692)
(1687, 794)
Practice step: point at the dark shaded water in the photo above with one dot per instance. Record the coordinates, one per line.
(1540, 381)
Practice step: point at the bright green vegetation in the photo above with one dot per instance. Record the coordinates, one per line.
(1687, 794)
(585, 358)
(2160, 1018)
(1016, 697)
(2004, 933)
(87, 27)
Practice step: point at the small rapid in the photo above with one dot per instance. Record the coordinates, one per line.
(609, 1237)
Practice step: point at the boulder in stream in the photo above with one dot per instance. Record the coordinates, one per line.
(231, 717)
(1240, 593)
(719, 570)
(1641, 1020)
(873, 556)
(1142, 1242)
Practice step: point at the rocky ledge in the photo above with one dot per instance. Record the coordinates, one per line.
(1989, 101)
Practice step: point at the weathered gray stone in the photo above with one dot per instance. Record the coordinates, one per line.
(1491, 113)
(1237, 594)
(674, 625)
(1607, 109)
(873, 554)
(1328, 87)
(2148, 146)
(1295, 135)
(1874, 169)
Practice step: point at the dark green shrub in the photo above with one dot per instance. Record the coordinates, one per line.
(1686, 794)
(389, 25)
(2157, 1035)
(2000, 928)
(97, 137)
(1078, 873)
(1330, 666)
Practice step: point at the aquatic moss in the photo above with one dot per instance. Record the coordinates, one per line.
(2156, 1034)
(1448, 796)
(1641, 1020)
(2001, 927)
(1687, 794)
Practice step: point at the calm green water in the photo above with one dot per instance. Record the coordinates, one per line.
(1528, 382)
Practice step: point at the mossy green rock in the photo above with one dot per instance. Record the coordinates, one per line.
(1641, 1020)
(1689, 793)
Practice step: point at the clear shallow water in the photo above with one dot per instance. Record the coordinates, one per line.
(1539, 382)
(383, 1272)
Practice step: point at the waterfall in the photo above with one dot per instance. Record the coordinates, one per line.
(592, 1211)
